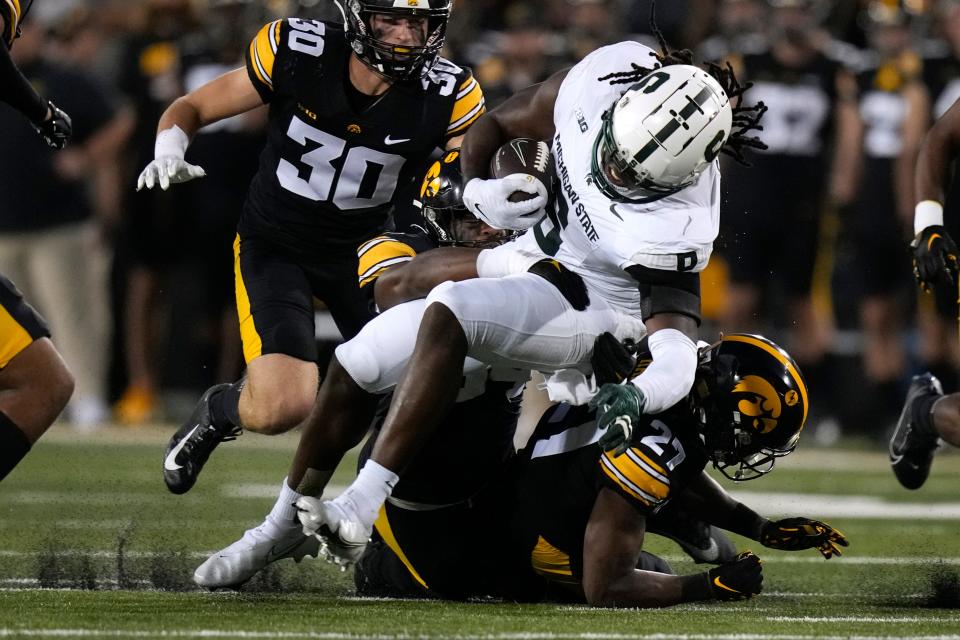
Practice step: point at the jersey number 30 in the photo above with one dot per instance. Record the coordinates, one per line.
(366, 177)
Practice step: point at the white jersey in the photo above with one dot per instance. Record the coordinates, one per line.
(594, 236)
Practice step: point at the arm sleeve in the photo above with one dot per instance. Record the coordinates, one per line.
(17, 91)
(468, 106)
(261, 56)
(669, 377)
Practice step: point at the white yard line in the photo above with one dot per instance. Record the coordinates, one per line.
(846, 506)
(225, 633)
(874, 619)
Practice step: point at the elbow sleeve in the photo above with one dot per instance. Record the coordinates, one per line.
(669, 377)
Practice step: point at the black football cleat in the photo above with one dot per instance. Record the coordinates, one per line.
(701, 541)
(192, 444)
(911, 451)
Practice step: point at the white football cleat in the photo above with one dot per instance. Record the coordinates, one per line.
(233, 566)
(342, 537)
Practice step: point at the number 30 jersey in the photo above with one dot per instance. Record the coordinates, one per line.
(330, 174)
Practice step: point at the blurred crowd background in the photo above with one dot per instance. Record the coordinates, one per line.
(138, 287)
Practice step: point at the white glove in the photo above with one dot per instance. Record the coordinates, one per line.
(168, 166)
(310, 512)
(487, 200)
(342, 539)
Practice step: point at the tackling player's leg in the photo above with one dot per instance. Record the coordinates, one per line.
(275, 311)
(927, 416)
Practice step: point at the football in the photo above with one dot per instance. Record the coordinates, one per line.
(522, 155)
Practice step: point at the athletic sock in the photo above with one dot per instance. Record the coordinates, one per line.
(283, 516)
(14, 445)
(371, 488)
(225, 405)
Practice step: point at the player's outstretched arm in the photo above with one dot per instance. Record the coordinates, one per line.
(672, 332)
(415, 279)
(53, 125)
(705, 497)
(229, 95)
(611, 552)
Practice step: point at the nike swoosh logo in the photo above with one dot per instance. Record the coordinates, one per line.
(277, 551)
(717, 582)
(613, 210)
(388, 140)
(170, 462)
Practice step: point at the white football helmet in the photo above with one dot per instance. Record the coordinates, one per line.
(661, 134)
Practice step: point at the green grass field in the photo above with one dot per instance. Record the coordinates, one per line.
(92, 545)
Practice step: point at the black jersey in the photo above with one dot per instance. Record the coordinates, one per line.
(563, 470)
(10, 12)
(329, 175)
(800, 102)
(883, 107)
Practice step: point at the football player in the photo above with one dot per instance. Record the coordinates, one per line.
(480, 426)
(928, 415)
(356, 111)
(575, 524)
(52, 124)
(635, 217)
(35, 383)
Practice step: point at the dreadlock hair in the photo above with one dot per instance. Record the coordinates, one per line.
(746, 118)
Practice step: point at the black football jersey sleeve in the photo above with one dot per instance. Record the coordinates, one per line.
(10, 12)
(332, 172)
(386, 251)
(660, 461)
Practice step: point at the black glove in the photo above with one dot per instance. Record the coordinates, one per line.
(934, 257)
(57, 129)
(794, 534)
(612, 360)
(567, 282)
(737, 580)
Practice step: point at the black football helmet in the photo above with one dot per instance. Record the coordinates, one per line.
(751, 400)
(394, 61)
(441, 196)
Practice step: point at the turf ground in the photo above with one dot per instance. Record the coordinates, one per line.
(92, 545)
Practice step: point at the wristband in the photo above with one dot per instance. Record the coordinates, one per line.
(171, 142)
(927, 214)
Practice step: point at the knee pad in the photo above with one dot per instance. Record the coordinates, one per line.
(361, 363)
